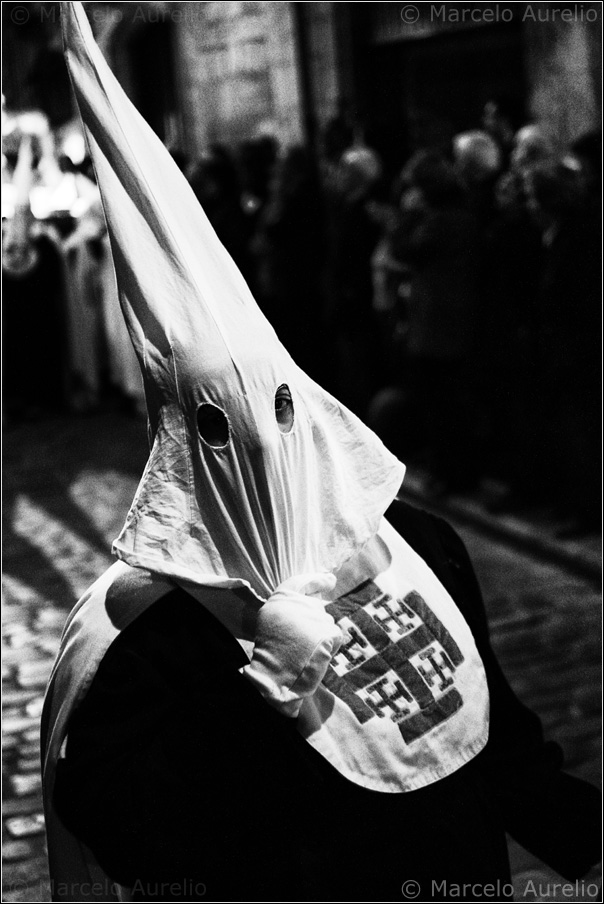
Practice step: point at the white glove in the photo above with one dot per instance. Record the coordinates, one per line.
(295, 642)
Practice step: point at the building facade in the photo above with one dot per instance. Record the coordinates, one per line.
(248, 68)
(405, 75)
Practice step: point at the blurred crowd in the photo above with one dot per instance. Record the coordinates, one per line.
(454, 305)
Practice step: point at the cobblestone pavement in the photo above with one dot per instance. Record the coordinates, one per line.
(68, 484)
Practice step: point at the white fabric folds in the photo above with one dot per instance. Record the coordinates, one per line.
(266, 505)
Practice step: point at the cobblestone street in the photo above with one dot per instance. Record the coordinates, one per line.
(68, 485)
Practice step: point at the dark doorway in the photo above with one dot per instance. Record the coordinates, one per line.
(414, 93)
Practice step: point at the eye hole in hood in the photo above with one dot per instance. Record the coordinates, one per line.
(284, 408)
(213, 426)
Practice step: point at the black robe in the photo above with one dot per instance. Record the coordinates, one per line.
(186, 785)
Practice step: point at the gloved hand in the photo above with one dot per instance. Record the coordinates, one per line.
(295, 641)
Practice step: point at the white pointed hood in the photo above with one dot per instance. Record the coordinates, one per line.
(265, 505)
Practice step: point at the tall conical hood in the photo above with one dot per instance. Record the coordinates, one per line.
(244, 503)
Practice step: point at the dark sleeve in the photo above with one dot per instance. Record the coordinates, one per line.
(167, 754)
(553, 815)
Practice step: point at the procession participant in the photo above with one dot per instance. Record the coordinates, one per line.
(272, 695)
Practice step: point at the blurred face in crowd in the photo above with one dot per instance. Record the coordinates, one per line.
(360, 169)
(496, 123)
(412, 199)
(477, 157)
(531, 147)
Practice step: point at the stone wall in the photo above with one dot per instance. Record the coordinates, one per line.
(563, 67)
(238, 72)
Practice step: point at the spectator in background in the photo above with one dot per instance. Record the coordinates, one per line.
(290, 248)
(257, 160)
(353, 235)
(532, 145)
(510, 273)
(439, 238)
(336, 137)
(508, 286)
(568, 343)
(478, 162)
(501, 117)
(216, 184)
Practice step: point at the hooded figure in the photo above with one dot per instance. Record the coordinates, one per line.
(258, 526)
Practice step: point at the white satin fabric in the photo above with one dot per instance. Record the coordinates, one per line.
(266, 506)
